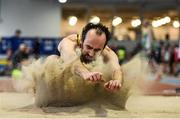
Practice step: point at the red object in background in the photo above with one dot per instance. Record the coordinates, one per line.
(176, 57)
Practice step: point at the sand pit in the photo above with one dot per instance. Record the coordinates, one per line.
(22, 105)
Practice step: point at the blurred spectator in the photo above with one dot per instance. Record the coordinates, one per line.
(121, 53)
(166, 58)
(147, 36)
(20, 55)
(172, 60)
(177, 53)
(176, 59)
(167, 42)
(14, 43)
(156, 52)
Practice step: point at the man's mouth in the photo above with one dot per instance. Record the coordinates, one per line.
(89, 57)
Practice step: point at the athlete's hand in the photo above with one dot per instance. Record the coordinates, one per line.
(93, 76)
(113, 85)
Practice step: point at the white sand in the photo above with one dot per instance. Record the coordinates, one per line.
(21, 105)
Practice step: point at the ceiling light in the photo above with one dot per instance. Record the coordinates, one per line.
(116, 21)
(72, 20)
(156, 24)
(176, 24)
(167, 19)
(95, 20)
(62, 1)
(136, 22)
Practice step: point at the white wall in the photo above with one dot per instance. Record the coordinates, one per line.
(34, 17)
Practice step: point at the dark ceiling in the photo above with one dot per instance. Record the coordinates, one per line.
(149, 4)
(106, 9)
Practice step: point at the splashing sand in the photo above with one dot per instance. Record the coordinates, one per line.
(55, 83)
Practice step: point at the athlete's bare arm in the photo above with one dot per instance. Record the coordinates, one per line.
(67, 47)
(117, 77)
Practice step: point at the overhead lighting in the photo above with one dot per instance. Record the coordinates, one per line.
(62, 1)
(167, 19)
(95, 20)
(156, 24)
(116, 21)
(136, 22)
(72, 20)
(176, 24)
(162, 21)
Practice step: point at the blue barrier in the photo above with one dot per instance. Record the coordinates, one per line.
(28, 41)
(47, 46)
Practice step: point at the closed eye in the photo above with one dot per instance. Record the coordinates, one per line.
(89, 47)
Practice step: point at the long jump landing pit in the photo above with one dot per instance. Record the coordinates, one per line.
(19, 105)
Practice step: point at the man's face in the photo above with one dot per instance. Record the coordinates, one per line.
(92, 46)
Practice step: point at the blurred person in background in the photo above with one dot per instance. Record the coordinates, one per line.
(121, 53)
(12, 47)
(176, 71)
(16, 40)
(155, 56)
(20, 56)
(14, 43)
(166, 58)
(147, 37)
(171, 60)
(167, 40)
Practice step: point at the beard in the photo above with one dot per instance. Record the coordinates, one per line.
(85, 58)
